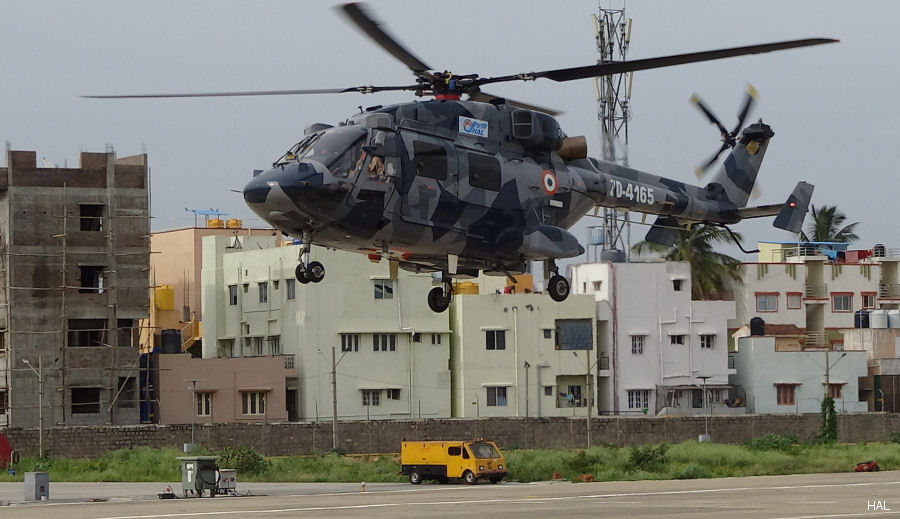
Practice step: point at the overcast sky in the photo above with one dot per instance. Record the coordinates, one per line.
(833, 108)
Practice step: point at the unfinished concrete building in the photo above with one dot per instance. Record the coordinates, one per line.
(74, 270)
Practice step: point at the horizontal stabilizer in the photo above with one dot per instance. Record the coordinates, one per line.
(664, 231)
(793, 212)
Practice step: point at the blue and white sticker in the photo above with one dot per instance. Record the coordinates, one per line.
(471, 126)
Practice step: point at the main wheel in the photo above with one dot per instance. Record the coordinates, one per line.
(300, 274)
(315, 272)
(469, 477)
(558, 287)
(438, 301)
(415, 478)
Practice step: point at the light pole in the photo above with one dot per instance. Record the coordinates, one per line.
(705, 436)
(40, 376)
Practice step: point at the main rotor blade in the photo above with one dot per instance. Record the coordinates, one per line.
(484, 97)
(364, 89)
(358, 15)
(606, 69)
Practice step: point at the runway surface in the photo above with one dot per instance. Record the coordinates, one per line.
(817, 496)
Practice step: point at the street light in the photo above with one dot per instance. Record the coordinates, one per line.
(705, 437)
(40, 377)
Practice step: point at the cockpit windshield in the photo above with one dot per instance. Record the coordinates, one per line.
(338, 149)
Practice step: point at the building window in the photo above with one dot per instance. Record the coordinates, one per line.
(638, 399)
(868, 300)
(496, 396)
(91, 216)
(253, 403)
(246, 287)
(548, 333)
(86, 332)
(226, 348)
(274, 284)
(841, 301)
(204, 404)
(91, 279)
(707, 341)
(495, 339)
(393, 394)
(85, 400)
(264, 292)
(785, 393)
(574, 334)
(291, 288)
(676, 339)
(384, 342)
(677, 284)
(548, 390)
(384, 289)
(767, 302)
(597, 285)
(794, 300)
(834, 391)
(257, 345)
(371, 397)
(435, 338)
(637, 344)
(349, 342)
(274, 344)
(4, 402)
(2, 342)
(232, 295)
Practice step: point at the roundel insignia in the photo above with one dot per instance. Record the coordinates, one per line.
(548, 182)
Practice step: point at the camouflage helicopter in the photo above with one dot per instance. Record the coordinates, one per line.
(485, 184)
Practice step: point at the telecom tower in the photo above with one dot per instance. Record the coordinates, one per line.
(612, 31)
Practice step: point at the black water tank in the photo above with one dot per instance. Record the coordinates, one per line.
(861, 319)
(757, 326)
(170, 341)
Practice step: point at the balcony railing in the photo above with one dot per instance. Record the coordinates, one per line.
(815, 339)
(889, 290)
(288, 361)
(815, 291)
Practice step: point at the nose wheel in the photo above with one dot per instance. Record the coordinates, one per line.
(308, 271)
(439, 297)
(557, 286)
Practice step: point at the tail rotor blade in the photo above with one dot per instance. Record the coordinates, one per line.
(752, 96)
(708, 113)
(701, 170)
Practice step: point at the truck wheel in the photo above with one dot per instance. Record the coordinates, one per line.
(469, 477)
(415, 478)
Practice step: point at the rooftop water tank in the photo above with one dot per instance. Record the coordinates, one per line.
(215, 223)
(164, 296)
(893, 318)
(465, 287)
(878, 319)
(233, 223)
(757, 326)
(861, 319)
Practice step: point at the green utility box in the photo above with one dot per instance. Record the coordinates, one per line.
(199, 473)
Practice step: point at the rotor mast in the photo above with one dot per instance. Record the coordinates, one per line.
(612, 30)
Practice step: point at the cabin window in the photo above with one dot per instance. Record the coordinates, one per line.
(484, 172)
(430, 160)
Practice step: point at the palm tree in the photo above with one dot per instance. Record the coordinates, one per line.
(709, 269)
(824, 224)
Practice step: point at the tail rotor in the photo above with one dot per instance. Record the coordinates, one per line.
(729, 138)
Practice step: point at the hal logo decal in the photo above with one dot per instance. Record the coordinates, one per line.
(472, 126)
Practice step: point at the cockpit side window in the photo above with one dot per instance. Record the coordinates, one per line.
(338, 149)
(430, 160)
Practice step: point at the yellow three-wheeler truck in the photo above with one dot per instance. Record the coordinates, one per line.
(442, 460)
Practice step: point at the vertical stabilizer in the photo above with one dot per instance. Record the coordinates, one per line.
(738, 173)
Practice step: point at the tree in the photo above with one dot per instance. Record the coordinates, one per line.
(824, 224)
(709, 269)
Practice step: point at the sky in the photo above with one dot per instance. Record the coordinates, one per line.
(833, 108)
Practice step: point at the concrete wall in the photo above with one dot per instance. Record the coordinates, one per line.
(385, 435)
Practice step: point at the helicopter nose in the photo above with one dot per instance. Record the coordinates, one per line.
(256, 191)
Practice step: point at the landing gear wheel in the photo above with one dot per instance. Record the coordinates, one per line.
(469, 477)
(415, 478)
(315, 271)
(300, 274)
(438, 299)
(558, 287)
